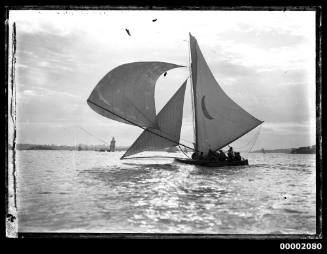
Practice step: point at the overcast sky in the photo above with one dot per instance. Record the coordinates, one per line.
(265, 61)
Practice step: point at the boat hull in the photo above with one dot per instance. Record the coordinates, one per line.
(212, 163)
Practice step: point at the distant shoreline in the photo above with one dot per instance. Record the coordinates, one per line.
(298, 150)
(80, 147)
(102, 148)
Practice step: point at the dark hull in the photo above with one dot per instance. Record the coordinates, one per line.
(213, 163)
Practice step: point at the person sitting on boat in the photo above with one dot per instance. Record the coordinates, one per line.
(237, 156)
(222, 155)
(230, 153)
(201, 157)
(195, 156)
(212, 156)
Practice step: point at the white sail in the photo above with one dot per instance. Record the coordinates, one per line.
(218, 119)
(126, 93)
(167, 128)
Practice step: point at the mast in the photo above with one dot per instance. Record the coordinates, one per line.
(192, 68)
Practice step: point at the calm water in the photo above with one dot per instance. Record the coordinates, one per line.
(88, 191)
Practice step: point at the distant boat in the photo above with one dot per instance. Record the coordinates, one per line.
(103, 150)
(126, 94)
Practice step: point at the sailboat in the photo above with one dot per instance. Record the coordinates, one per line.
(126, 94)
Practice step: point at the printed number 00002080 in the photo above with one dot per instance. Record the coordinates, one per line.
(300, 246)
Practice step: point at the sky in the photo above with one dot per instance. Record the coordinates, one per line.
(264, 60)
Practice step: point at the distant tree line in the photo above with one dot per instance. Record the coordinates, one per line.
(304, 150)
(79, 147)
(299, 150)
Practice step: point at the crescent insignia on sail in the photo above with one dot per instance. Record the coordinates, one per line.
(204, 109)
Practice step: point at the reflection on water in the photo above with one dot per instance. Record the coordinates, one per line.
(96, 192)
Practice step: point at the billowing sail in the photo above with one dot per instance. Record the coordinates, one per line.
(218, 119)
(167, 128)
(126, 93)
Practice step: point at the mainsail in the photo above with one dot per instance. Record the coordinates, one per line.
(218, 119)
(167, 128)
(126, 93)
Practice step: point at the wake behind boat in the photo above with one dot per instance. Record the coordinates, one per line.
(126, 94)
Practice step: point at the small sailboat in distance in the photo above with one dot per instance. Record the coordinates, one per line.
(126, 94)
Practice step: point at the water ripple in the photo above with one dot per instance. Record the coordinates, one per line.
(97, 192)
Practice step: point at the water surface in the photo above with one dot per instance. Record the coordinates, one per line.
(87, 191)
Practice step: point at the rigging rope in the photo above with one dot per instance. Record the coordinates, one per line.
(102, 140)
(144, 128)
(183, 151)
(75, 143)
(255, 140)
(248, 144)
(251, 142)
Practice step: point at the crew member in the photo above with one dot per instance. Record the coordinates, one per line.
(238, 156)
(212, 156)
(195, 156)
(222, 155)
(230, 153)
